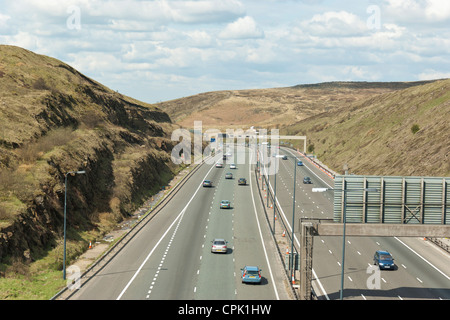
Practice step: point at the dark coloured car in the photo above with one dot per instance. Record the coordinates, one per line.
(242, 181)
(383, 259)
(285, 158)
(307, 180)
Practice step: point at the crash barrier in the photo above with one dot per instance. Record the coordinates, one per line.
(100, 263)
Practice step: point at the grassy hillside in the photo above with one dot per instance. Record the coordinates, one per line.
(405, 132)
(270, 108)
(53, 120)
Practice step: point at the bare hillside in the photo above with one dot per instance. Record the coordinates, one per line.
(269, 108)
(405, 132)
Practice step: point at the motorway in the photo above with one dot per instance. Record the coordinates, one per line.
(170, 258)
(422, 269)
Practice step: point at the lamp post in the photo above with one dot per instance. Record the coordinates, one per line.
(274, 196)
(344, 223)
(65, 211)
(293, 219)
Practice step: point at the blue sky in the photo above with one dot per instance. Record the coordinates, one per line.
(165, 49)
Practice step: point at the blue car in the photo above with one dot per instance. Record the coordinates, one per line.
(251, 274)
(383, 259)
(299, 163)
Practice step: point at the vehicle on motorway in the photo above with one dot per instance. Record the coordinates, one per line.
(228, 175)
(307, 180)
(219, 245)
(219, 165)
(232, 166)
(299, 163)
(251, 274)
(224, 157)
(207, 183)
(225, 204)
(383, 259)
(242, 181)
(285, 157)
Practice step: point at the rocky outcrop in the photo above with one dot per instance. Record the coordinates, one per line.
(56, 121)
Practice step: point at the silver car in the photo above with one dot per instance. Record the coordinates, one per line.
(219, 245)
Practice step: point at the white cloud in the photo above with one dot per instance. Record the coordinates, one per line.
(334, 23)
(438, 10)
(418, 11)
(201, 45)
(243, 28)
(3, 20)
(430, 74)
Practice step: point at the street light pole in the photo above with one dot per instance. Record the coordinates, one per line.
(65, 211)
(344, 217)
(293, 219)
(275, 195)
(343, 247)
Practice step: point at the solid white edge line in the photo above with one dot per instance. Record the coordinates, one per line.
(260, 232)
(296, 240)
(448, 278)
(159, 241)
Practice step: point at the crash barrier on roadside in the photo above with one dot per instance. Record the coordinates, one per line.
(100, 263)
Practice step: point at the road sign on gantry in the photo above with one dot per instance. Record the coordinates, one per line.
(398, 200)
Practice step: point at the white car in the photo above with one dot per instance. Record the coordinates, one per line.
(219, 165)
(232, 166)
(219, 245)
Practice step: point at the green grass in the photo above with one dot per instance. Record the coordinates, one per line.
(41, 286)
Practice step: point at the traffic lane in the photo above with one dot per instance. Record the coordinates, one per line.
(215, 274)
(311, 204)
(179, 263)
(441, 261)
(180, 277)
(423, 279)
(312, 170)
(111, 280)
(161, 277)
(315, 205)
(408, 280)
(358, 268)
(248, 245)
(432, 255)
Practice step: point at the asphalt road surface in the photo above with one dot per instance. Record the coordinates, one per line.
(171, 259)
(422, 269)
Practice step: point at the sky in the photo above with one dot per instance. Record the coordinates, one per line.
(161, 50)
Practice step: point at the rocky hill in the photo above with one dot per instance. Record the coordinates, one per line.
(404, 132)
(375, 128)
(276, 107)
(54, 120)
